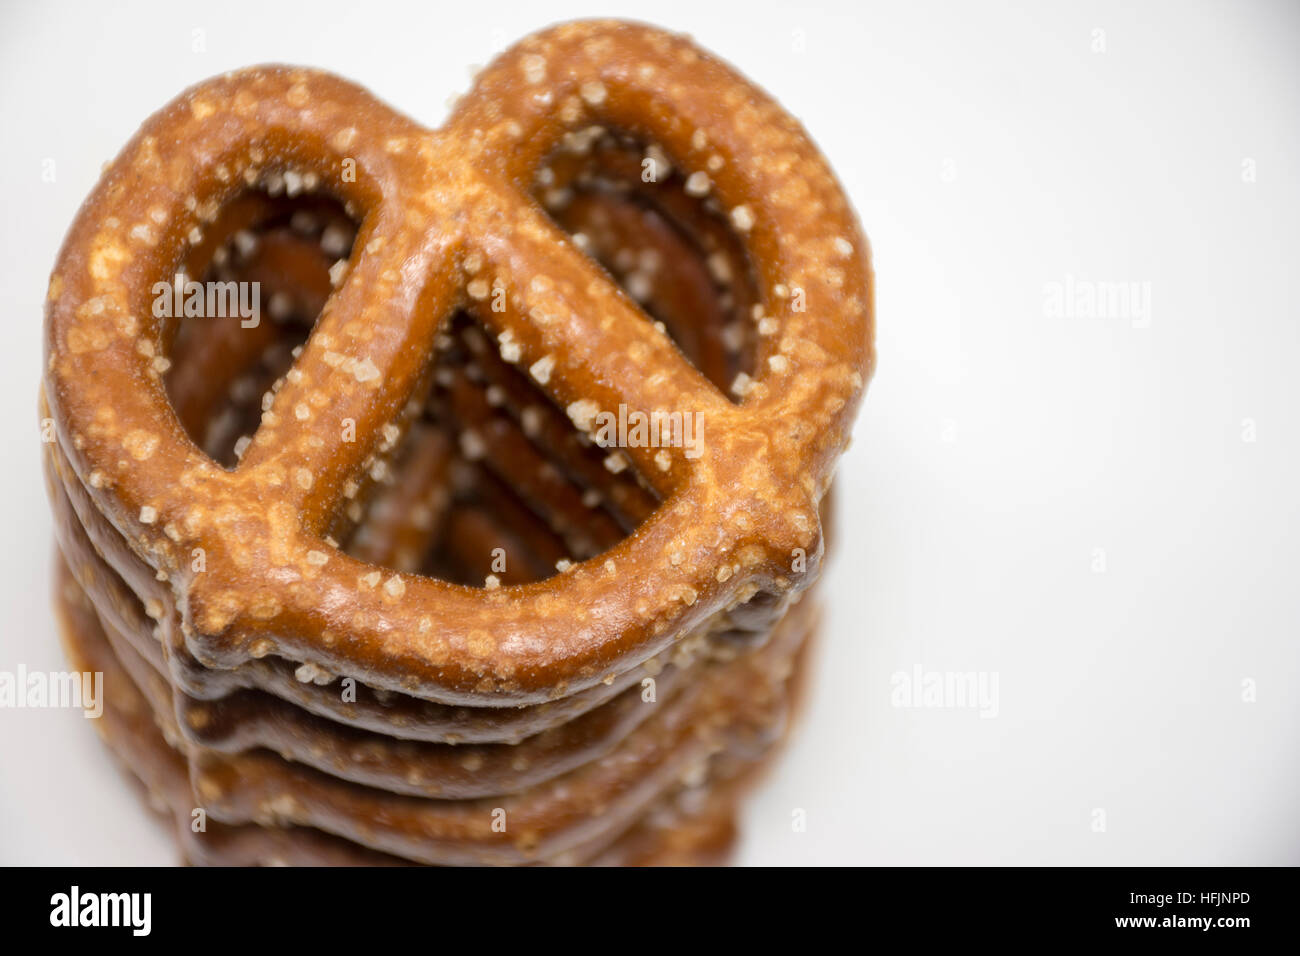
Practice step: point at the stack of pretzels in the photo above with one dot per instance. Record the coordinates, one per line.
(390, 568)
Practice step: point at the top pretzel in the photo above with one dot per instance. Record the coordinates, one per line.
(444, 215)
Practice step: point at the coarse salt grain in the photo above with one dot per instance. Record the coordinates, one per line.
(541, 369)
(742, 217)
(697, 184)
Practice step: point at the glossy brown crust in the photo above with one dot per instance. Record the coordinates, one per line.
(431, 205)
(398, 715)
(467, 330)
(338, 824)
(247, 719)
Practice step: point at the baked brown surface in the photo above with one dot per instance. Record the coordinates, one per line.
(360, 574)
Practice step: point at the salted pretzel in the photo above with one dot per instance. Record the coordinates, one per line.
(395, 715)
(378, 763)
(678, 831)
(444, 329)
(587, 805)
(541, 759)
(445, 220)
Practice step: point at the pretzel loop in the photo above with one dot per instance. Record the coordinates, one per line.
(807, 250)
(591, 347)
(354, 374)
(153, 201)
(429, 204)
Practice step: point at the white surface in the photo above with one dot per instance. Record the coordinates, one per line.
(988, 153)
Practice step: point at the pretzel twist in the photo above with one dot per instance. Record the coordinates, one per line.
(429, 401)
(430, 202)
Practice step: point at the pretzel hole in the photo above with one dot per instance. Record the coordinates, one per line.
(262, 272)
(519, 493)
(666, 242)
(491, 483)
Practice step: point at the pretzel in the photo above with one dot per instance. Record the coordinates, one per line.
(734, 516)
(481, 245)
(259, 770)
(398, 715)
(156, 762)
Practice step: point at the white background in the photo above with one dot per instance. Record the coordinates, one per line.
(989, 152)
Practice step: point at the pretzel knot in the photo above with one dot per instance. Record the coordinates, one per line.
(446, 223)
